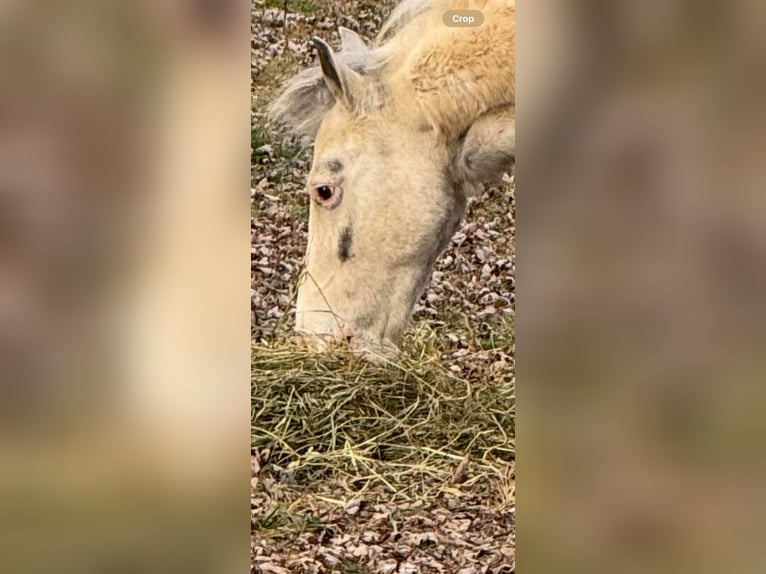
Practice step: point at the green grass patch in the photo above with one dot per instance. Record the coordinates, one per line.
(283, 149)
(280, 518)
(259, 136)
(302, 6)
(351, 566)
(497, 334)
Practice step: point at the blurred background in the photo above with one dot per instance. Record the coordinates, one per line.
(641, 323)
(641, 290)
(124, 332)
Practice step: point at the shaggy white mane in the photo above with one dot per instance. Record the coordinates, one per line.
(304, 102)
(306, 98)
(403, 14)
(407, 10)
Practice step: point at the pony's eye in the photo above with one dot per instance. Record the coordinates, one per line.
(326, 195)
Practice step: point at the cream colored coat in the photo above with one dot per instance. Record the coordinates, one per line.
(404, 130)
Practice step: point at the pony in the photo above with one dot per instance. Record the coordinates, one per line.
(405, 129)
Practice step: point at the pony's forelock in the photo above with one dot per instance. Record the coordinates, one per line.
(306, 99)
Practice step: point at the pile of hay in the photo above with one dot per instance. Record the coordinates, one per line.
(412, 426)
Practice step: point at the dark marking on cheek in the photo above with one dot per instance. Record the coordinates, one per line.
(334, 166)
(344, 245)
(364, 321)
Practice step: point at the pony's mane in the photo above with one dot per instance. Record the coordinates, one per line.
(408, 10)
(404, 13)
(306, 99)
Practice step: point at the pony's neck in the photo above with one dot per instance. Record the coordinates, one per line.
(454, 75)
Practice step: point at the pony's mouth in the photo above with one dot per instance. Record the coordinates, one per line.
(354, 340)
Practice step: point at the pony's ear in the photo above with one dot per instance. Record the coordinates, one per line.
(352, 42)
(488, 149)
(346, 77)
(344, 84)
